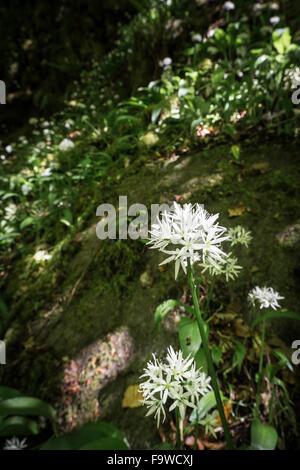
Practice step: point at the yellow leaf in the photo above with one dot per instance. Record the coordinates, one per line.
(237, 210)
(132, 397)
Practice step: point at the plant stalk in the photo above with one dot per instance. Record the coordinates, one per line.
(178, 437)
(260, 368)
(211, 368)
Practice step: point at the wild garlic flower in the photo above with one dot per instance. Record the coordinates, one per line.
(265, 296)
(65, 145)
(177, 380)
(228, 267)
(188, 232)
(239, 234)
(210, 422)
(15, 444)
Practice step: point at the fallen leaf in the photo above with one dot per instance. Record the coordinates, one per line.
(240, 329)
(214, 445)
(256, 168)
(200, 444)
(132, 397)
(237, 210)
(227, 412)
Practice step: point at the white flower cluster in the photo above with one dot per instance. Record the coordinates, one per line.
(188, 232)
(177, 380)
(265, 296)
(65, 145)
(228, 267)
(15, 444)
(239, 234)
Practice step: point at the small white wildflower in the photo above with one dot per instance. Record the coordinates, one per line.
(274, 20)
(177, 381)
(46, 172)
(229, 6)
(231, 268)
(257, 7)
(239, 234)
(15, 444)
(188, 232)
(197, 38)
(228, 267)
(166, 62)
(11, 210)
(69, 123)
(8, 148)
(42, 255)
(65, 145)
(25, 188)
(265, 296)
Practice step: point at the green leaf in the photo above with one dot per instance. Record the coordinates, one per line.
(239, 354)
(27, 406)
(155, 114)
(163, 309)
(18, 426)
(89, 434)
(201, 361)
(107, 443)
(8, 392)
(281, 42)
(163, 446)
(204, 405)
(273, 315)
(189, 336)
(216, 353)
(263, 436)
(26, 222)
(235, 150)
(284, 361)
(229, 129)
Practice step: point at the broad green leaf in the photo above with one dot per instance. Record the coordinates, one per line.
(8, 392)
(163, 446)
(107, 443)
(163, 309)
(89, 433)
(155, 114)
(18, 426)
(201, 361)
(27, 406)
(235, 150)
(189, 336)
(263, 436)
(281, 42)
(26, 222)
(204, 405)
(274, 315)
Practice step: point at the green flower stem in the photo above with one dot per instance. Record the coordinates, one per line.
(211, 368)
(178, 438)
(271, 405)
(196, 431)
(260, 368)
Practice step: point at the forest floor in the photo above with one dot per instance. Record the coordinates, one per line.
(82, 324)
